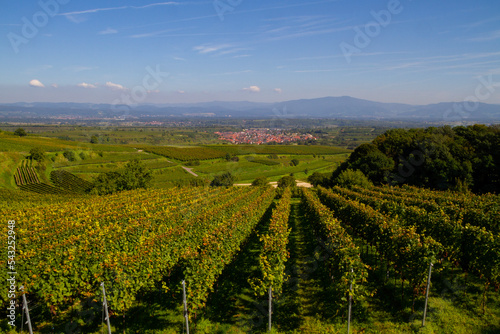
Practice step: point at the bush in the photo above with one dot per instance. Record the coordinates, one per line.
(70, 155)
(82, 155)
(193, 163)
(94, 140)
(224, 180)
(37, 154)
(350, 178)
(20, 132)
(294, 162)
(260, 181)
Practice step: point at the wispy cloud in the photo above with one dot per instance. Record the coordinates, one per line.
(38, 69)
(96, 10)
(234, 73)
(480, 23)
(108, 31)
(205, 49)
(493, 35)
(115, 86)
(156, 33)
(314, 71)
(219, 49)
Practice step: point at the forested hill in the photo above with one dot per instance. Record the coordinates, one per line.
(439, 158)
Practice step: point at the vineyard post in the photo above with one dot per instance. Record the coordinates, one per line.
(270, 305)
(349, 313)
(25, 307)
(185, 305)
(105, 305)
(427, 294)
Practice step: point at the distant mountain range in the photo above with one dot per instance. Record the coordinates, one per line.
(344, 107)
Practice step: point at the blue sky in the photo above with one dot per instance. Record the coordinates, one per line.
(409, 51)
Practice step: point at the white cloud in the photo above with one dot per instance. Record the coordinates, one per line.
(203, 49)
(252, 89)
(54, 85)
(96, 10)
(278, 90)
(36, 83)
(181, 92)
(86, 85)
(108, 31)
(114, 86)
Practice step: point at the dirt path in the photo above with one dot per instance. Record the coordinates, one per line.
(189, 170)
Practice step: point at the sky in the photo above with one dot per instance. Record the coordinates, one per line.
(405, 51)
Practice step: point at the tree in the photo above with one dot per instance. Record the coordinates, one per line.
(133, 176)
(350, 178)
(70, 155)
(224, 180)
(105, 183)
(286, 181)
(94, 140)
(37, 154)
(260, 181)
(20, 132)
(319, 179)
(294, 162)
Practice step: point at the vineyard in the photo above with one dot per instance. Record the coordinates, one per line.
(368, 246)
(65, 180)
(26, 174)
(187, 153)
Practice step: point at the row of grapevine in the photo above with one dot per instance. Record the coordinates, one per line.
(440, 197)
(344, 256)
(407, 251)
(274, 254)
(68, 181)
(25, 176)
(126, 250)
(476, 249)
(219, 247)
(474, 210)
(43, 188)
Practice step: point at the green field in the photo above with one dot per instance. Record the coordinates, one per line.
(272, 161)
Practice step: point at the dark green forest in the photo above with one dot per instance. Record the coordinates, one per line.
(458, 158)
